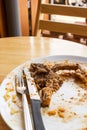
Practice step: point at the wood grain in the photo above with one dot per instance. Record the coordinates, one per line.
(64, 10)
(23, 5)
(64, 27)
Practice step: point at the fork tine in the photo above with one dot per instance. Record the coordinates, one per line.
(20, 80)
(24, 82)
(16, 82)
(24, 78)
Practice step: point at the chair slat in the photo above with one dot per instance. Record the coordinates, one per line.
(73, 28)
(64, 10)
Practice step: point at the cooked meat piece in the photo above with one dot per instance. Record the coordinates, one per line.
(53, 84)
(53, 81)
(40, 81)
(65, 66)
(67, 74)
(81, 77)
(39, 68)
(82, 70)
(46, 96)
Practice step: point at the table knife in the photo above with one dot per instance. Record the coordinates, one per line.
(35, 102)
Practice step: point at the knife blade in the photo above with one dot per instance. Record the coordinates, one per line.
(34, 101)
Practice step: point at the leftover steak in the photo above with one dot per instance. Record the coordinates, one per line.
(65, 66)
(48, 79)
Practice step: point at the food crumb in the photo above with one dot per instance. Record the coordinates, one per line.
(13, 111)
(52, 112)
(6, 97)
(85, 116)
(61, 112)
(14, 98)
(84, 129)
(9, 89)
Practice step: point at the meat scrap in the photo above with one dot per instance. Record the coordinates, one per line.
(65, 66)
(48, 80)
(46, 95)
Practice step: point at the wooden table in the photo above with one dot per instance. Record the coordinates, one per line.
(16, 50)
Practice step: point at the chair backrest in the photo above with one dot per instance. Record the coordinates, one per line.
(63, 27)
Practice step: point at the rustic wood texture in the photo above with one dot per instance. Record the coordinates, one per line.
(64, 27)
(23, 5)
(35, 5)
(64, 10)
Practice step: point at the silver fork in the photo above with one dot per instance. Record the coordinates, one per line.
(21, 89)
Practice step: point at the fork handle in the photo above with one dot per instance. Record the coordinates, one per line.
(27, 117)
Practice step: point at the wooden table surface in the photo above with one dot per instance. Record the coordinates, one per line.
(17, 50)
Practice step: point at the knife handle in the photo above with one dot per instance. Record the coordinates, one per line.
(37, 119)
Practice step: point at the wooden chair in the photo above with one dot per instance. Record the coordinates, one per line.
(78, 29)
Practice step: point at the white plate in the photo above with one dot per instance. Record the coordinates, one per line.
(75, 114)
